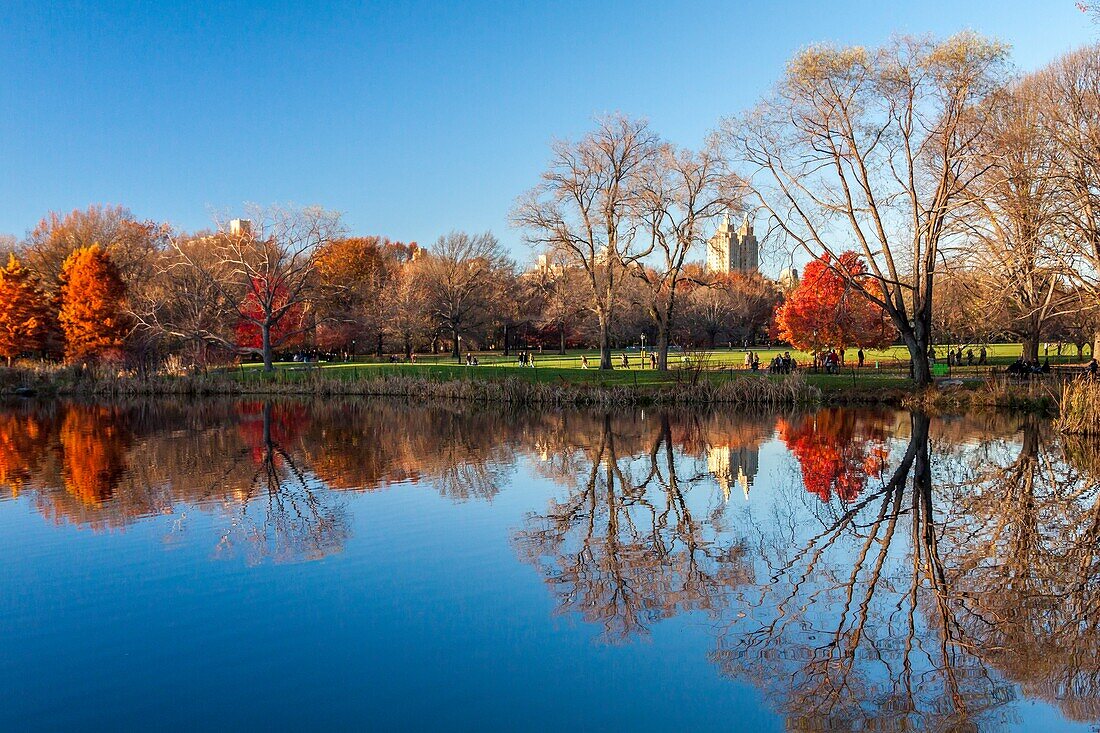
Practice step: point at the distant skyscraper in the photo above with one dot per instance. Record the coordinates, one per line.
(240, 227)
(733, 251)
(788, 279)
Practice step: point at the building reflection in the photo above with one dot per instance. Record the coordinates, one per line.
(734, 466)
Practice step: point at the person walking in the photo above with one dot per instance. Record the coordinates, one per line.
(860, 357)
(982, 356)
(584, 361)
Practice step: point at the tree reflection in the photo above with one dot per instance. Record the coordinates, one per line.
(625, 547)
(1025, 565)
(837, 450)
(23, 447)
(291, 519)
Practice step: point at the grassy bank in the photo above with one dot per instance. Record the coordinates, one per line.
(552, 385)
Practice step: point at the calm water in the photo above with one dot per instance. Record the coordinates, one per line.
(380, 566)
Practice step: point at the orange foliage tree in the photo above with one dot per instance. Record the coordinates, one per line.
(23, 311)
(92, 317)
(827, 310)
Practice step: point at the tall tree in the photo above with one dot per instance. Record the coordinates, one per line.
(680, 192)
(92, 316)
(1011, 217)
(407, 315)
(828, 308)
(584, 209)
(23, 311)
(1069, 113)
(871, 148)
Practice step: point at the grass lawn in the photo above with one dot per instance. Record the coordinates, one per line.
(720, 364)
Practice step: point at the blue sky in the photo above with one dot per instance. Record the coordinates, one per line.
(413, 118)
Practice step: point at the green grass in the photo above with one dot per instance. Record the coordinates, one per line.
(720, 365)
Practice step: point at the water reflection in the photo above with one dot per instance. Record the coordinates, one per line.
(897, 572)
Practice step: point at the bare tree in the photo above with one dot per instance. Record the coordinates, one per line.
(1011, 216)
(557, 284)
(458, 274)
(680, 192)
(871, 148)
(583, 209)
(261, 275)
(407, 317)
(1069, 113)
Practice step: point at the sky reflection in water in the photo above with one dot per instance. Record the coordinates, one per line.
(375, 564)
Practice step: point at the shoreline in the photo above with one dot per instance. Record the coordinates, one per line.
(755, 390)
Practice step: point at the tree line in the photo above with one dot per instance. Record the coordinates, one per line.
(100, 285)
(940, 197)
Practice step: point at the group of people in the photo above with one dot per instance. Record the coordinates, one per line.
(752, 361)
(955, 357)
(830, 360)
(471, 359)
(527, 359)
(784, 364)
(1022, 367)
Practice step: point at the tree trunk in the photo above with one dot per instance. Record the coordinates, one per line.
(265, 336)
(918, 359)
(408, 347)
(561, 344)
(506, 332)
(454, 343)
(605, 343)
(1031, 345)
(662, 347)
(380, 344)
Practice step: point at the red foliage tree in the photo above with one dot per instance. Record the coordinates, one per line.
(252, 311)
(825, 310)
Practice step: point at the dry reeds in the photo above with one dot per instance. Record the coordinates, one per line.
(763, 391)
(1079, 408)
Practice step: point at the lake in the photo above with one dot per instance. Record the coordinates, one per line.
(379, 565)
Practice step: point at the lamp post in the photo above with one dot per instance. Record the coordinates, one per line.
(643, 343)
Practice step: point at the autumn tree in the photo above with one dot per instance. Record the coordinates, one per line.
(128, 241)
(263, 271)
(870, 149)
(829, 309)
(407, 311)
(584, 209)
(23, 311)
(738, 305)
(357, 275)
(92, 315)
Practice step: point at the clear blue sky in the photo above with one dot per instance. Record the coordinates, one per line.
(413, 118)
